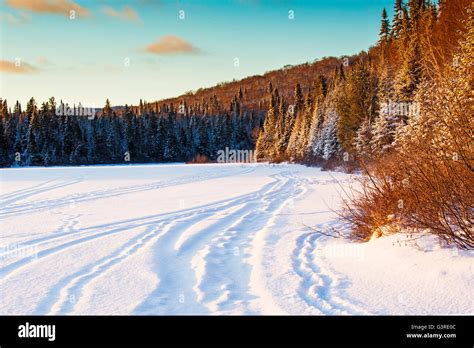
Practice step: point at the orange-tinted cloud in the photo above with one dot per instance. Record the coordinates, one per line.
(170, 44)
(126, 14)
(20, 68)
(62, 7)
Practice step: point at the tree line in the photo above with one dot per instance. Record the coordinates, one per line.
(42, 137)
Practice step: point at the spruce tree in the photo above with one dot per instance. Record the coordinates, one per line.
(405, 33)
(415, 7)
(131, 131)
(363, 139)
(17, 108)
(356, 103)
(4, 161)
(68, 138)
(107, 110)
(382, 134)
(326, 145)
(170, 148)
(299, 99)
(397, 19)
(280, 133)
(270, 88)
(384, 34)
(34, 136)
(410, 73)
(303, 138)
(265, 141)
(294, 140)
(11, 134)
(320, 87)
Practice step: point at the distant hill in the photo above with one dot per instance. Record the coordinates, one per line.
(255, 89)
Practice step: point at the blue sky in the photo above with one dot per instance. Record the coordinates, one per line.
(84, 59)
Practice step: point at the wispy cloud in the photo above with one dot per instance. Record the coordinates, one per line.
(43, 61)
(61, 7)
(127, 13)
(15, 19)
(170, 44)
(12, 68)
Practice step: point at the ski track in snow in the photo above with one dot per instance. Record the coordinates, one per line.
(9, 209)
(319, 286)
(220, 260)
(205, 270)
(208, 258)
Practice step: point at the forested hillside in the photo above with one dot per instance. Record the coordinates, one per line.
(332, 110)
(360, 112)
(197, 124)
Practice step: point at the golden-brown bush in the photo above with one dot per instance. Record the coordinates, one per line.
(427, 182)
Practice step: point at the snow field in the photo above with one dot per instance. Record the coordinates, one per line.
(207, 239)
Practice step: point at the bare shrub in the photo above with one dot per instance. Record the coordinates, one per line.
(199, 159)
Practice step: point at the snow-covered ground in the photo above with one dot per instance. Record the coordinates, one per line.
(199, 239)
